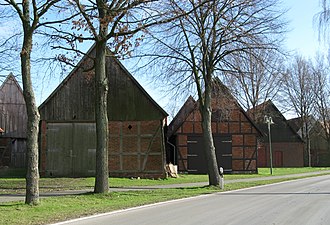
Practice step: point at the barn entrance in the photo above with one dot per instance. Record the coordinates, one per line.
(278, 159)
(70, 149)
(196, 159)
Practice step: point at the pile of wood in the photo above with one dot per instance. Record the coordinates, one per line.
(171, 170)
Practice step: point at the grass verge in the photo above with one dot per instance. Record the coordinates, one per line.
(17, 185)
(54, 209)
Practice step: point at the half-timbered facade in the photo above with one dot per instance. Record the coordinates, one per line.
(234, 134)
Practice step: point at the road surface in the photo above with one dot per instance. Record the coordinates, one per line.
(21, 197)
(305, 201)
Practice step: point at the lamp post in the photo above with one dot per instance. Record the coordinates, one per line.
(269, 121)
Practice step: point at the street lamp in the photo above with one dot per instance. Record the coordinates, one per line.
(269, 121)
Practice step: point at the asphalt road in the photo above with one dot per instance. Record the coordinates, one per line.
(21, 197)
(305, 201)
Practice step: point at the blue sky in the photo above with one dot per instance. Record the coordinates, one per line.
(302, 38)
(303, 34)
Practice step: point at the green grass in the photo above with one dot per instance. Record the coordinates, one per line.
(54, 209)
(17, 185)
(286, 171)
(62, 208)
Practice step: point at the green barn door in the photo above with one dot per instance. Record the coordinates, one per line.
(59, 149)
(84, 149)
(70, 149)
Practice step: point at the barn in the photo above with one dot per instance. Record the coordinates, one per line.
(13, 121)
(68, 131)
(287, 145)
(319, 147)
(234, 134)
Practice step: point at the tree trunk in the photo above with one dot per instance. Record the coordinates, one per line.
(209, 149)
(32, 176)
(308, 143)
(101, 87)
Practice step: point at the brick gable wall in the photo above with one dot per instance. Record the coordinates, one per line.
(244, 139)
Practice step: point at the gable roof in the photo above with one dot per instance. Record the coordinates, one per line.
(296, 123)
(10, 79)
(282, 128)
(190, 105)
(314, 126)
(89, 53)
(67, 78)
(137, 84)
(13, 116)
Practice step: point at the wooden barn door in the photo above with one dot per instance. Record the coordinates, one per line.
(223, 146)
(196, 159)
(84, 149)
(278, 159)
(70, 149)
(59, 146)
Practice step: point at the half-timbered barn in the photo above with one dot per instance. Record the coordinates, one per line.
(287, 145)
(13, 121)
(68, 132)
(234, 134)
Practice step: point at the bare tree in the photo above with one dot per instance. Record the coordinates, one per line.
(256, 77)
(322, 93)
(323, 18)
(299, 87)
(108, 24)
(30, 14)
(322, 86)
(198, 47)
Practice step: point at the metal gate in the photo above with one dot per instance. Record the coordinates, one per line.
(196, 159)
(71, 149)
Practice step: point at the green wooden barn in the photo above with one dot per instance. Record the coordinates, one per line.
(68, 133)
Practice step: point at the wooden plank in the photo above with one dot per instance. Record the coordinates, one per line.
(75, 99)
(84, 149)
(59, 149)
(13, 116)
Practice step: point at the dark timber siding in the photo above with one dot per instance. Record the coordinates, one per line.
(13, 116)
(13, 120)
(136, 126)
(74, 98)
